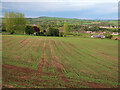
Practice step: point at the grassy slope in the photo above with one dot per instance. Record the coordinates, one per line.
(59, 62)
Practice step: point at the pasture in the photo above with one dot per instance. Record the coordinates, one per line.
(59, 62)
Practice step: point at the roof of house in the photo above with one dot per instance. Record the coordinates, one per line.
(98, 35)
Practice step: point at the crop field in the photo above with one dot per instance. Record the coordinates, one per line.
(59, 62)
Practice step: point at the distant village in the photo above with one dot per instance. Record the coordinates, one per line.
(96, 34)
(102, 32)
(89, 32)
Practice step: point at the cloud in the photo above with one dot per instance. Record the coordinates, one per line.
(61, 6)
(84, 8)
(47, 6)
(105, 8)
(96, 1)
(1, 16)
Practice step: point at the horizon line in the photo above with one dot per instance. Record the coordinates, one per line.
(70, 18)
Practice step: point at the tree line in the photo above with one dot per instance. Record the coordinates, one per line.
(16, 23)
(50, 31)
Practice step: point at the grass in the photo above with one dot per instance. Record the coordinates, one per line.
(115, 35)
(59, 62)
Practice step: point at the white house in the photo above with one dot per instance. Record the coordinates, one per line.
(98, 36)
(114, 33)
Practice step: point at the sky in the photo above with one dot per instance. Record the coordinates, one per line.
(81, 9)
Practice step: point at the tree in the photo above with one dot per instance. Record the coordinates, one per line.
(15, 22)
(56, 32)
(36, 29)
(21, 23)
(108, 35)
(65, 28)
(47, 33)
(53, 31)
(96, 28)
(29, 30)
(8, 23)
(3, 28)
(115, 30)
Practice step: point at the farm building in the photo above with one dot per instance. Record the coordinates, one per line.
(114, 33)
(108, 26)
(102, 32)
(75, 31)
(95, 32)
(88, 32)
(98, 36)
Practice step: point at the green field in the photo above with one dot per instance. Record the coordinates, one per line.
(59, 62)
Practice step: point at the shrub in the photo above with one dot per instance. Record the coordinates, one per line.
(61, 34)
(37, 33)
(53, 32)
(29, 30)
(108, 35)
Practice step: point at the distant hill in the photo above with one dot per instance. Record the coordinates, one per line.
(70, 21)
